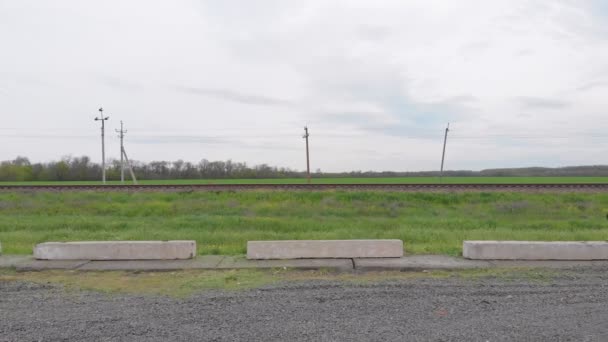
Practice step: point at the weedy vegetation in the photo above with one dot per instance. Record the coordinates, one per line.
(222, 222)
(185, 283)
(346, 180)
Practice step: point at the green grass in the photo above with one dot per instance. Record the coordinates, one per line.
(222, 222)
(184, 283)
(392, 180)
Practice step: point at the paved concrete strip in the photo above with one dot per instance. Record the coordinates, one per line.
(557, 264)
(116, 250)
(300, 264)
(217, 262)
(7, 261)
(322, 249)
(41, 265)
(535, 250)
(209, 262)
(417, 263)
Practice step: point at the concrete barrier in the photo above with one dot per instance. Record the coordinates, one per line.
(115, 250)
(535, 250)
(308, 249)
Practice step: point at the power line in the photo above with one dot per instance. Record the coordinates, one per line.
(218, 139)
(138, 137)
(417, 135)
(528, 137)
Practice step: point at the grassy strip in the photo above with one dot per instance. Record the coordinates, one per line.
(185, 283)
(223, 222)
(392, 180)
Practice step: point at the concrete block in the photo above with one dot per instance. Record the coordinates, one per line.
(115, 250)
(305, 249)
(535, 250)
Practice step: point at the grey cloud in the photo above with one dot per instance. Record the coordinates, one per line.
(179, 139)
(119, 83)
(372, 33)
(592, 85)
(457, 100)
(524, 52)
(347, 116)
(47, 136)
(541, 103)
(234, 96)
(362, 120)
(348, 67)
(387, 90)
(206, 140)
(417, 121)
(18, 79)
(476, 46)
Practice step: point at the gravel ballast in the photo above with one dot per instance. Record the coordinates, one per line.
(571, 306)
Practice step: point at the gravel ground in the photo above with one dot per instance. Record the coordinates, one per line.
(572, 306)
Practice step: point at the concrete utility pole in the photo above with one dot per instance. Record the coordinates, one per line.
(130, 167)
(123, 157)
(306, 135)
(103, 146)
(445, 139)
(122, 162)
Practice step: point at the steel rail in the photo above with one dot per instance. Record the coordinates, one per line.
(520, 187)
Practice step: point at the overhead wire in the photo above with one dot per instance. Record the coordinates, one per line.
(438, 135)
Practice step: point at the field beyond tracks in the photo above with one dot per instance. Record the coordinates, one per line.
(386, 180)
(223, 222)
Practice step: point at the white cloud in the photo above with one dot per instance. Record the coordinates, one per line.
(375, 81)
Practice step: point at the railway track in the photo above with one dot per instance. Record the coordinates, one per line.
(561, 187)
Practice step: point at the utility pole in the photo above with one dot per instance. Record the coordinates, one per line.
(130, 167)
(103, 147)
(306, 135)
(445, 139)
(123, 157)
(122, 163)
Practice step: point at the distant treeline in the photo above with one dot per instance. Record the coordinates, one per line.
(82, 169)
(568, 171)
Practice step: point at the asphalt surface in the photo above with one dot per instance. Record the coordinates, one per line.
(571, 306)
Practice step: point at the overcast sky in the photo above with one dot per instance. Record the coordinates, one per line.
(522, 83)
